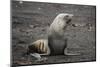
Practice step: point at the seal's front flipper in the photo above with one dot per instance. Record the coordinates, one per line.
(72, 54)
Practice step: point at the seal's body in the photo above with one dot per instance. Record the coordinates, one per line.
(57, 46)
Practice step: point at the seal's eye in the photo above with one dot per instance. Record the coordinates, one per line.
(66, 17)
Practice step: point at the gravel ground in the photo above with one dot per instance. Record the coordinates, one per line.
(31, 20)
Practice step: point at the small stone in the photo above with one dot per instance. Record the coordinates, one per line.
(31, 26)
(39, 8)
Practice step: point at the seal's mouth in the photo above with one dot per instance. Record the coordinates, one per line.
(68, 22)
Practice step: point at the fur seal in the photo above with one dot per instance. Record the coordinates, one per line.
(56, 42)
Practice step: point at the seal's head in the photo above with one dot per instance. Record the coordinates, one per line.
(66, 17)
(62, 20)
(59, 24)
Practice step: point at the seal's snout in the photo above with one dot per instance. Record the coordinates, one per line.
(71, 15)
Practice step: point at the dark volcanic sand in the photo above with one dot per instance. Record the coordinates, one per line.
(30, 22)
